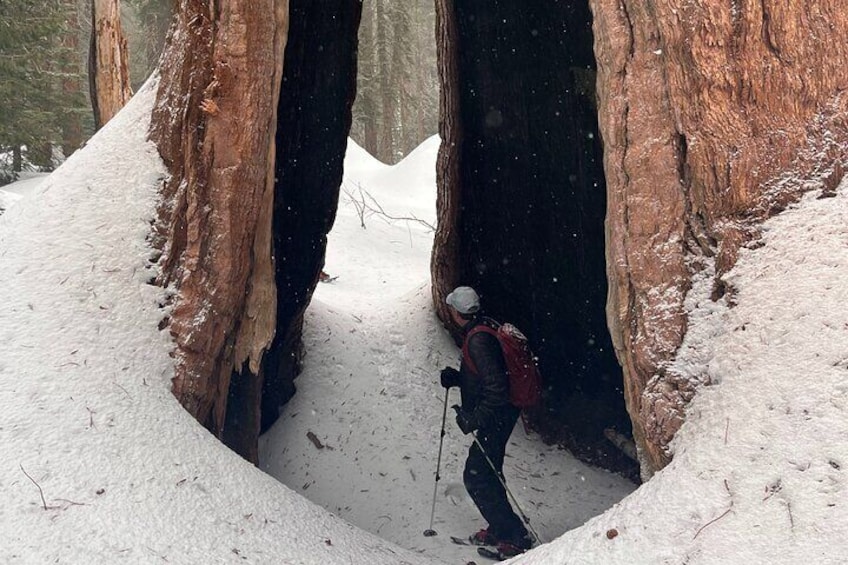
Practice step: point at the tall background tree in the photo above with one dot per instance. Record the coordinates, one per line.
(396, 104)
(146, 23)
(108, 73)
(41, 104)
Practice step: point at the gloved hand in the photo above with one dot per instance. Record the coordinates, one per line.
(449, 377)
(464, 420)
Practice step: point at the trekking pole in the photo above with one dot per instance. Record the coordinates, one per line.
(506, 488)
(429, 532)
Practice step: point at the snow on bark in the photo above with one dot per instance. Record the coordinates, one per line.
(714, 118)
(214, 125)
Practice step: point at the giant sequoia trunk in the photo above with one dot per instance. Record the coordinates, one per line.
(319, 85)
(251, 119)
(522, 200)
(713, 116)
(214, 124)
(709, 118)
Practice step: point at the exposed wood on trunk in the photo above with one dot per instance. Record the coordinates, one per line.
(258, 326)
(714, 117)
(214, 127)
(109, 77)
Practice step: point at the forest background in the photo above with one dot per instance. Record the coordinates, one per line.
(45, 106)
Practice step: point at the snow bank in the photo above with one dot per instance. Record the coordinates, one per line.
(88, 422)
(98, 463)
(759, 472)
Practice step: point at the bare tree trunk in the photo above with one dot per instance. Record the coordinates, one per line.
(17, 159)
(252, 118)
(402, 68)
(72, 89)
(366, 117)
(700, 143)
(387, 94)
(715, 116)
(444, 262)
(109, 77)
(214, 125)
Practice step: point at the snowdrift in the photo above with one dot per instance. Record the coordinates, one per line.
(98, 463)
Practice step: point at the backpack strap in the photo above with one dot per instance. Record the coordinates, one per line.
(486, 325)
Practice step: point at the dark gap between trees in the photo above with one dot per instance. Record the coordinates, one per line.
(534, 205)
(533, 199)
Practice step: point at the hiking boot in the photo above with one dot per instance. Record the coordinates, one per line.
(507, 549)
(483, 537)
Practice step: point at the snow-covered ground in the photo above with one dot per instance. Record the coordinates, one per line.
(99, 464)
(369, 391)
(13, 192)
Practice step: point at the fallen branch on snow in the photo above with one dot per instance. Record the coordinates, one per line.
(723, 514)
(41, 492)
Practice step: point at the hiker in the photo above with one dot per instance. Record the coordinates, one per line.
(486, 410)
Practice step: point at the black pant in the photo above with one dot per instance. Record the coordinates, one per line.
(483, 484)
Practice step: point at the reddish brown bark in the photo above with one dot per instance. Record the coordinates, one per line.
(714, 117)
(255, 158)
(214, 124)
(444, 263)
(109, 77)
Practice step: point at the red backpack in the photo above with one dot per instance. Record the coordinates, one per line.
(525, 382)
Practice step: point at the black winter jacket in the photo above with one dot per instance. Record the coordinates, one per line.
(485, 394)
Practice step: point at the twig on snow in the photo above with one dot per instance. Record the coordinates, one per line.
(387, 518)
(364, 208)
(71, 502)
(791, 518)
(361, 207)
(314, 439)
(41, 492)
(379, 210)
(723, 514)
(123, 389)
(317, 442)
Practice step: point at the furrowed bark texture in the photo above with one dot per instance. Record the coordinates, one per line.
(445, 256)
(109, 77)
(318, 89)
(214, 125)
(714, 116)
